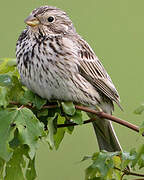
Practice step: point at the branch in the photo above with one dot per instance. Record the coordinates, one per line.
(86, 109)
(109, 117)
(127, 172)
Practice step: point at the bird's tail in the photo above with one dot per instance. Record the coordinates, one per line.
(106, 136)
(107, 139)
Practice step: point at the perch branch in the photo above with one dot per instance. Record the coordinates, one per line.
(86, 109)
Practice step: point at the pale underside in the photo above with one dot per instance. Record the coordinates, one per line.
(71, 73)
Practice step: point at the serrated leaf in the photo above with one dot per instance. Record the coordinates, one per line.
(29, 129)
(68, 108)
(77, 117)
(31, 171)
(140, 109)
(6, 134)
(14, 168)
(100, 164)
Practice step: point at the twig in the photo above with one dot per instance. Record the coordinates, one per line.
(86, 109)
(110, 117)
(127, 172)
(74, 124)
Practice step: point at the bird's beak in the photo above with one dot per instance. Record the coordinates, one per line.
(31, 21)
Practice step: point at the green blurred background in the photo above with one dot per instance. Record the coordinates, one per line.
(115, 30)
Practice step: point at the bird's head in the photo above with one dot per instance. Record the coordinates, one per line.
(49, 20)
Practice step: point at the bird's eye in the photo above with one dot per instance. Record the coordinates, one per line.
(50, 19)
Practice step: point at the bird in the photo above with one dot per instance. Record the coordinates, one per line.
(56, 63)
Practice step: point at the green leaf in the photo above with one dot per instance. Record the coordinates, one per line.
(16, 91)
(2, 165)
(140, 109)
(141, 161)
(105, 163)
(4, 100)
(30, 97)
(138, 157)
(39, 102)
(90, 173)
(127, 158)
(11, 88)
(29, 128)
(68, 108)
(5, 80)
(100, 164)
(31, 171)
(77, 117)
(14, 168)
(58, 137)
(117, 161)
(51, 131)
(6, 134)
(141, 128)
(7, 65)
(70, 129)
(14, 143)
(42, 112)
(103, 166)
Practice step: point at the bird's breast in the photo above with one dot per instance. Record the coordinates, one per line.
(46, 70)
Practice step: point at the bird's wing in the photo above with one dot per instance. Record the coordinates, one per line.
(91, 68)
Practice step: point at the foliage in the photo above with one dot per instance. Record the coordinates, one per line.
(25, 119)
(114, 165)
(22, 127)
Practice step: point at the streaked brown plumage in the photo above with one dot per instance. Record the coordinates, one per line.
(57, 64)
